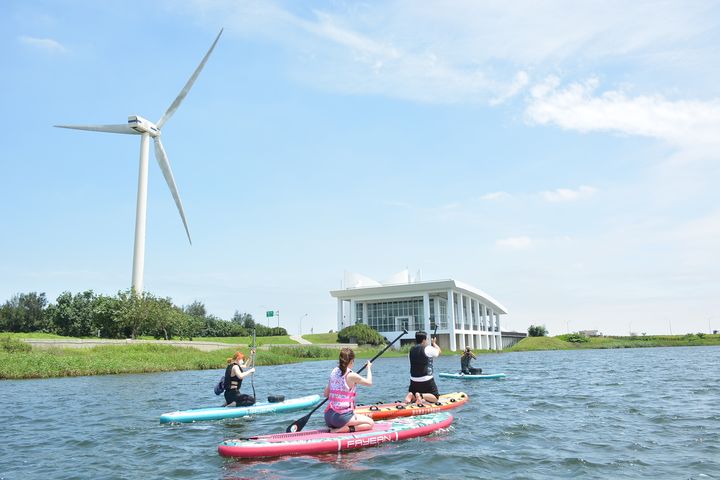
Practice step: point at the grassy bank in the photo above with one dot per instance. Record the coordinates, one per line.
(18, 360)
(560, 342)
(321, 337)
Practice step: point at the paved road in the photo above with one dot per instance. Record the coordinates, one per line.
(300, 340)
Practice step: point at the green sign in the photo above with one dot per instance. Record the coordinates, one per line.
(269, 313)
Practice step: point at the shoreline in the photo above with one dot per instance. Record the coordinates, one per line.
(19, 360)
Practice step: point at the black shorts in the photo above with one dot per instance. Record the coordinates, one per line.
(240, 399)
(427, 386)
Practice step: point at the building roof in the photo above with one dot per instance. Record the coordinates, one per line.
(409, 288)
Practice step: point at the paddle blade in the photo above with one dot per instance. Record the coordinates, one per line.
(299, 425)
(162, 160)
(123, 128)
(183, 93)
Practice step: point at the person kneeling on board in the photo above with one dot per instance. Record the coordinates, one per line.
(422, 384)
(340, 391)
(465, 367)
(236, 370)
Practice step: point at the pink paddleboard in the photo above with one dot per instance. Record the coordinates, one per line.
(322, 441)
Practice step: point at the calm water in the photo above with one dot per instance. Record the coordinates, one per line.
(588, 414)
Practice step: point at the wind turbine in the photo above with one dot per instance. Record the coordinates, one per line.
(137, 125)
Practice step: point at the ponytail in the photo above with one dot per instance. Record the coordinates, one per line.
(346, 356)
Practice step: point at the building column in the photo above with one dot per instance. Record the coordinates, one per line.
(365, 317)
(352, 312)
(461, 314)
(340, 325)
(499, 332)
(491, 335)
(473, 323)
(426, 311)
(451, 319)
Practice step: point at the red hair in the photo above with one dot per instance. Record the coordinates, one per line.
(238, 356)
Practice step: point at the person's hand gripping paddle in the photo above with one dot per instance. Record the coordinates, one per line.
(298, 425)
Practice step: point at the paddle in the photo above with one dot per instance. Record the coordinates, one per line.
(252, 357)
(300, 424)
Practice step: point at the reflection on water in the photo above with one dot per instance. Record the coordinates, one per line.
(591, 414)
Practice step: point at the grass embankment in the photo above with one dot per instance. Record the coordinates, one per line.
(559, 343)
(18, 360)
(325, 338)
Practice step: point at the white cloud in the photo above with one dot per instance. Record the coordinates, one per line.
(492, 196)
(568, 195)
(515, 243)
(468, 51)
(46, 44)
(521, 81)
(689, 124)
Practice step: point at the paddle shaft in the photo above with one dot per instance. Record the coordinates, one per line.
(300, 423)
(252, 356)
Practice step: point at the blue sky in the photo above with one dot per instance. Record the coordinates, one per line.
(562, 156)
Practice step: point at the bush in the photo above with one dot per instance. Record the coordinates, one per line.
(574, 338)
(13, 345)
(362, 334)
(537, 331)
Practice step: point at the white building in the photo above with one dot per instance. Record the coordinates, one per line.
(473, 318)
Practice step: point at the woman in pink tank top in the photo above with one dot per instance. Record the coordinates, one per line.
(340, 390)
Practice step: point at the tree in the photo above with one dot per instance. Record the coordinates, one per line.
(25, 312)
(244, 319)
(73, 316)
(537, 331)
(196, 309)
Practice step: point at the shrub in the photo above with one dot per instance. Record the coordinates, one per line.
(574, 338)
(13, 345)
(362, 334)
(537, 331)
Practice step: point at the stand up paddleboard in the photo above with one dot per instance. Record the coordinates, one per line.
(219, 413)
(322, 441)
(401, 409)
(482, 376)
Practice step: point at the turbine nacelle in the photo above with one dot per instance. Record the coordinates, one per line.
(143, 125)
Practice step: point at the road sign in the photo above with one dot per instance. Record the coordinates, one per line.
(269, 313)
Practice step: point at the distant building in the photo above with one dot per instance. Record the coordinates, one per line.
(511, 338)
(590, 333)
(464, 315)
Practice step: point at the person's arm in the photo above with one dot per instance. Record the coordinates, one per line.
(436, 346)
(326, 391)
(355, 379)
(251, 363)
(473, 355)
(244, 374)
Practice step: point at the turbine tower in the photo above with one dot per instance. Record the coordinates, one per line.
(137, 125)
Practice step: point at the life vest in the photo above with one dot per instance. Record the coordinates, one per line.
(341, 398)
(420, 364)
(232, 382)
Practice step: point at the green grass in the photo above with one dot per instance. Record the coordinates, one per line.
(36, 335)
(321, 337)
(555, 343)
(70, 362)
(143, 358)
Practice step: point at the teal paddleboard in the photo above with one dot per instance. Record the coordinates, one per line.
(482, 376)
(220, 413)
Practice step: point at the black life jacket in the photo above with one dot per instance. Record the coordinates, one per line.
(232, 382)
(420, 364)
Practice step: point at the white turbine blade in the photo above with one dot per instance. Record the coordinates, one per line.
(122, 128)
(162, 160)
(181, 96)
